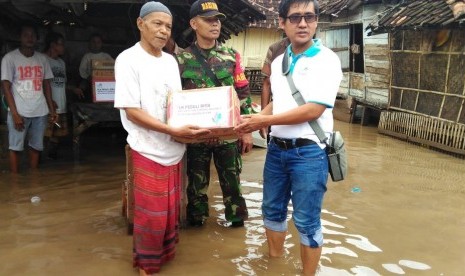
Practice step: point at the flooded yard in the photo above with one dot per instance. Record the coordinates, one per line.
(400, 211)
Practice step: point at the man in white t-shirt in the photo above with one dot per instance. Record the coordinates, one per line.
(26, 78)
(296, 165)
(144, 76)
(85, 67)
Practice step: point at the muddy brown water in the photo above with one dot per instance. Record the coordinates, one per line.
(400, 212)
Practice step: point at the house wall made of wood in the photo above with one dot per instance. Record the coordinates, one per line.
(365, 59)
(253, 44)
(427, 79)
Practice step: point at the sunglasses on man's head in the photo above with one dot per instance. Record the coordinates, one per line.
(297, 18)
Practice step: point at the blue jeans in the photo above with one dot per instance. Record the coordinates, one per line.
(299, 174)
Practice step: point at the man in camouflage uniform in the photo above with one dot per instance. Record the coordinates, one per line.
(226, 70)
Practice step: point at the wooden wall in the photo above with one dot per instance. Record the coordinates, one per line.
(253, 45)
(377, 62)
(370, 87)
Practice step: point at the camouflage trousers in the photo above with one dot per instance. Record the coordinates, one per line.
(228, 163)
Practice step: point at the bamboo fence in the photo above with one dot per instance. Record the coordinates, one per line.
(437, 133)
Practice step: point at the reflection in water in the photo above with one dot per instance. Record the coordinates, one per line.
(394, 268)
(406, 216)
(336, 241)
(414, 265)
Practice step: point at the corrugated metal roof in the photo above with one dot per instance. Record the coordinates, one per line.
(421, 14)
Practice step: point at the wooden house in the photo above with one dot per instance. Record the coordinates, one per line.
(254, 41)
(341, 27)
(427, 84)
(364, 59)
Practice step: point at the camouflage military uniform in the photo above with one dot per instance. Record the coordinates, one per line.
(225, 63)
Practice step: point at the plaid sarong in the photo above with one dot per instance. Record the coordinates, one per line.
(156, 212)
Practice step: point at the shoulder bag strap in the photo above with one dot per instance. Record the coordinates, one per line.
(205, 66)
(299, 99)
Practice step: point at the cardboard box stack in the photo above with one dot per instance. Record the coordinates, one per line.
(103, 80)
(217, 109)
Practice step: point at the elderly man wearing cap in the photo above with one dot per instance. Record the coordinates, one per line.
(144, 76)
(206, 63)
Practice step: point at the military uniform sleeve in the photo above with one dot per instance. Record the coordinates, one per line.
(241, 84)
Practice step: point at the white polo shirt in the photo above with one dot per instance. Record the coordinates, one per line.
(317, 75)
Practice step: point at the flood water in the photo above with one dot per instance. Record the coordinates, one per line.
(401, 211)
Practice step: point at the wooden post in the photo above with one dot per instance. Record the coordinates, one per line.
(128, 192)
(353, 110)
(366, 112)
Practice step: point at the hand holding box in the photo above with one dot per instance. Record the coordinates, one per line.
(216, 108)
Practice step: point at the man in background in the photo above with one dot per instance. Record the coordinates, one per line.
(274, 50)
(55, 48)
(85, 67)
(26, 78)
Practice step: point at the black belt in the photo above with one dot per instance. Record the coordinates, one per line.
(291, 143)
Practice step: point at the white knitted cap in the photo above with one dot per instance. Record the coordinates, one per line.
(153, 6)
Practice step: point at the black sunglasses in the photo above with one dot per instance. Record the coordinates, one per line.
(297, 18)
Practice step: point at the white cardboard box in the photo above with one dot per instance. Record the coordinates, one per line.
(103, 85)
(216, 108)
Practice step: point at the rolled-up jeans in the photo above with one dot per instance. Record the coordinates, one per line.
(299, 174)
